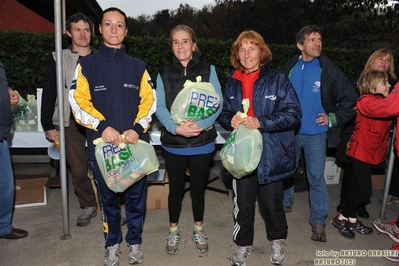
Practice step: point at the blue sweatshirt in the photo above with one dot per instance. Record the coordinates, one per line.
(306, 79)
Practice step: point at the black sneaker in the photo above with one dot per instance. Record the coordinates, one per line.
(360, 228)
(343, 227)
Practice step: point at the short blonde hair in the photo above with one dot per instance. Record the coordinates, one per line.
(254, 38)
(368, 81)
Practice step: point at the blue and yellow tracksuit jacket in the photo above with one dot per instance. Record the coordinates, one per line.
(111, 88)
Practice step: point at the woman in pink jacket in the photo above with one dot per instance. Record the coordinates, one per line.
(368, 145)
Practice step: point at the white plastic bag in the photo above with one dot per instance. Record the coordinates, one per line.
(122, 166)
(25, 113)
(242, 151)
(196, 101)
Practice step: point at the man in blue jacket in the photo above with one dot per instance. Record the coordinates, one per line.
(327, 100)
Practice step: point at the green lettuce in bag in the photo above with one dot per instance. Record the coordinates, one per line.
(242, 151)
(122, 166)
(196, 101)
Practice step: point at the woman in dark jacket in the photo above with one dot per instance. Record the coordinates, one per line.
(274, 111)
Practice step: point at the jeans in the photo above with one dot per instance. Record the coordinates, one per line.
(6, 189)
(314, 148)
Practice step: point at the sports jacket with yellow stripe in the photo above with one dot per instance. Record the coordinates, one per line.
(111, 88)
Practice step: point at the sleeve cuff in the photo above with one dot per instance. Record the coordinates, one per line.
(102, 126)
(138, 128)
(332, 120)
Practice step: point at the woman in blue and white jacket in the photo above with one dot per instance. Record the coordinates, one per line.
(112, 95)
(275, 111)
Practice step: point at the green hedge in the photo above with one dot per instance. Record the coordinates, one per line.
(25, 56)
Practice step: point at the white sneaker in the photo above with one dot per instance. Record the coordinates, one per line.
(172, 245)
(199, 238)
(277, 256)
(112, 254)
(392, 200)
(136, 255)
(241, 255)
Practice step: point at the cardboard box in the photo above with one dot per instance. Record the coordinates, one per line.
(158, 190)
(31, 190)
(378, 182)
(332, 172)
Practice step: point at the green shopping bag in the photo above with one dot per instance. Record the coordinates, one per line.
(242, 151)
(196, 101)
(122, 166)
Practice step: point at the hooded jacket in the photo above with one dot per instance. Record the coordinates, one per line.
(338, 97)
(276, 105)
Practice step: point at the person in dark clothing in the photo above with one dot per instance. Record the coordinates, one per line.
(393, 196)
(78, 28)
(8, 97)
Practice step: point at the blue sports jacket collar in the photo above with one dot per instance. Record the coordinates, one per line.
(112, 53)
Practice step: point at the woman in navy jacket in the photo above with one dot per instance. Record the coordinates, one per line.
(275, 111)
(112, 96)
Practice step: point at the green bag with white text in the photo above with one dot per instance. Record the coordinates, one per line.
(122, 166)
(196, 101)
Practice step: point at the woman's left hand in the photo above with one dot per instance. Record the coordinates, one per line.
(189, 129)
(251, 122)
(131, 136)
